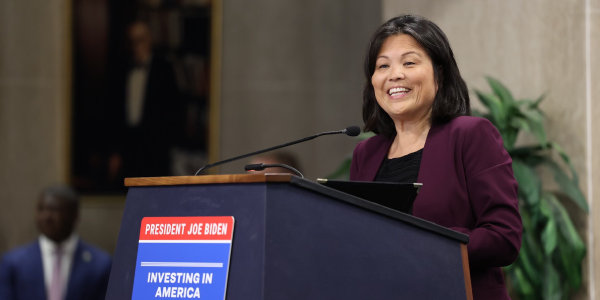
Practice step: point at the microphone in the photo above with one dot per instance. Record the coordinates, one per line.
(350, 131)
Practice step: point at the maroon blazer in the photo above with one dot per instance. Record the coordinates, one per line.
(468, 186)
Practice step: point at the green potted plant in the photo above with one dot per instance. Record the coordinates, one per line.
(549, 263)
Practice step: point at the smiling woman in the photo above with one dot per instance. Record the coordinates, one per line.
(416, 101)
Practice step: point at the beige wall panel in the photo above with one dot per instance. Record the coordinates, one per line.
(28, 162)
(101, 221)
(595, 132)
(32, 120)
(293, 69)
(34, 127)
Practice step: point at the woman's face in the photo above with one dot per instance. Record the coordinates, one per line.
(403, 80)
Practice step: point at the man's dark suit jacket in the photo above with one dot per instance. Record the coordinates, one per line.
(22, 274)
(468, 186)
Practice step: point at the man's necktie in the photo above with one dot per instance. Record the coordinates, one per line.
(56, 287)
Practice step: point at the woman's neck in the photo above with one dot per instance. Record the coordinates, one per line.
(410, 137)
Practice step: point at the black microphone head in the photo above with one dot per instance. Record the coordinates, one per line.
(352, 131)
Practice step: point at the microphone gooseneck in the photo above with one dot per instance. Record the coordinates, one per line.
(351, 131)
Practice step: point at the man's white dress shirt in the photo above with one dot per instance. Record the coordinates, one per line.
(49, 248)
(136, 90)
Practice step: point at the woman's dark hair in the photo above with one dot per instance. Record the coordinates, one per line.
(452, 98)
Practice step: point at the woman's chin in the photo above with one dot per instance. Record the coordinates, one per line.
(398, 108)
(399, 115)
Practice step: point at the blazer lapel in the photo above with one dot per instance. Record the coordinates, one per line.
(37, 268)
(380, 150)
(428, 157)
(425, 158)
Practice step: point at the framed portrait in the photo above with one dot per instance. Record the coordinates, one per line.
(142, 98)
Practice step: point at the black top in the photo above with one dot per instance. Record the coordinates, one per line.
(404, 169)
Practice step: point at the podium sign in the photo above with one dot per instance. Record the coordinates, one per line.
(294, 240)
(183, 257)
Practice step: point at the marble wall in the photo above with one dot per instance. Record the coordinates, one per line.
(533, 47)
(34, 94)
(293, 69)
(593, 142)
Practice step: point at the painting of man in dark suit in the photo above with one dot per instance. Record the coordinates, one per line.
(148, 111)
(140, 105)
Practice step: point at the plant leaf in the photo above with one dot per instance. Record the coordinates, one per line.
(572, 250)
(343, 171)
(567, 185)
(552, 290)
(529, 155)
(495, 108)
(549, 233)
(532, 241)
(539, 100)
(561, 152)
(509, 137)
(530, 238)
(528, 265)
(501, 91)
(365, 135)
(570, 267)
(529, 182)
(476, 113)
(520, 123)
(521, 284)
(536, 124)
(525, 103)
(565, 226)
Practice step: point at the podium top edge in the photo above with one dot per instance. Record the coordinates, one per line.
(207, 179)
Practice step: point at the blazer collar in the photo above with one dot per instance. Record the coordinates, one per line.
(382, 147)
(428, 150)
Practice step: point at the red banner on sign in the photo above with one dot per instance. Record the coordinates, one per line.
(186, 228)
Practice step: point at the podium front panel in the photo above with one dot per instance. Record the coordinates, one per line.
(293, 243)
(320, 248)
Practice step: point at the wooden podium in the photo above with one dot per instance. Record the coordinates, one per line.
(296, 239)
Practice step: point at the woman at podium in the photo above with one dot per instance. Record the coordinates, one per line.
(417, 103)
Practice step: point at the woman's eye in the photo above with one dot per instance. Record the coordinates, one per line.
(409, 63)
(382, 66)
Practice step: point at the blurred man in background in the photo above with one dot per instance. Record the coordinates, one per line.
(58, 265)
